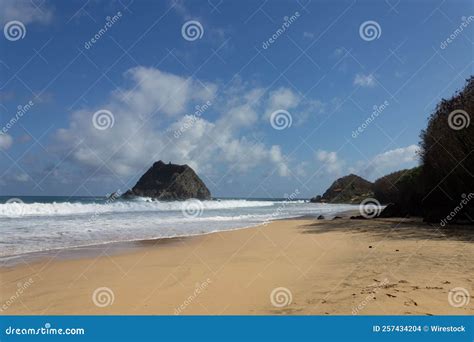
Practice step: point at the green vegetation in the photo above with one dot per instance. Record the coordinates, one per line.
(448, 157)
(441, 190)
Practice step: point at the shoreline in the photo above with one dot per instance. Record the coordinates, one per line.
(116, 247)
(328, 266)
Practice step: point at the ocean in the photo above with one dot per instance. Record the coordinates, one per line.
(36, 224)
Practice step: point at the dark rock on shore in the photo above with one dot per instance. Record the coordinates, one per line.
(358, 217)
(169, 182)
(348, 189)
(317, 199)
(393, 210)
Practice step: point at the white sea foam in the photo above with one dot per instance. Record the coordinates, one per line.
(34, 227)
(139, 205)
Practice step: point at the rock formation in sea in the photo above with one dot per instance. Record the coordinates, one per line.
(348, 189)
(169, 182)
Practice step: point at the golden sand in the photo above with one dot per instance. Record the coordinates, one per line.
(287, 267)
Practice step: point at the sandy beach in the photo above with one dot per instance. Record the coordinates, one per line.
(302, 267)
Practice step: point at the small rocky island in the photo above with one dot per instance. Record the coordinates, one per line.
(348, 189)
(169, 182)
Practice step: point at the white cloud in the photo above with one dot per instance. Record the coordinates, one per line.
(300, 109)
(378, 166)
(364, 80)
(158, 104)
(6, 141)
(22, 177)
(282, 98)
(396, 157)
(25, 11)
(331, 162)
(156, 90)
(389, 161)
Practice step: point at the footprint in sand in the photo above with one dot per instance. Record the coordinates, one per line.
(410, 302)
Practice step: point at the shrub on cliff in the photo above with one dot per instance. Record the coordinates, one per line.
(404, 189)
(448, 156)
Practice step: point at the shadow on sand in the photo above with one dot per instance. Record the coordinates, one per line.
(392, 228)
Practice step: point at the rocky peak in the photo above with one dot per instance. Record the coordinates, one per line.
(170, 182)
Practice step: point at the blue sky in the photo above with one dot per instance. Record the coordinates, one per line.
(310, 62)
